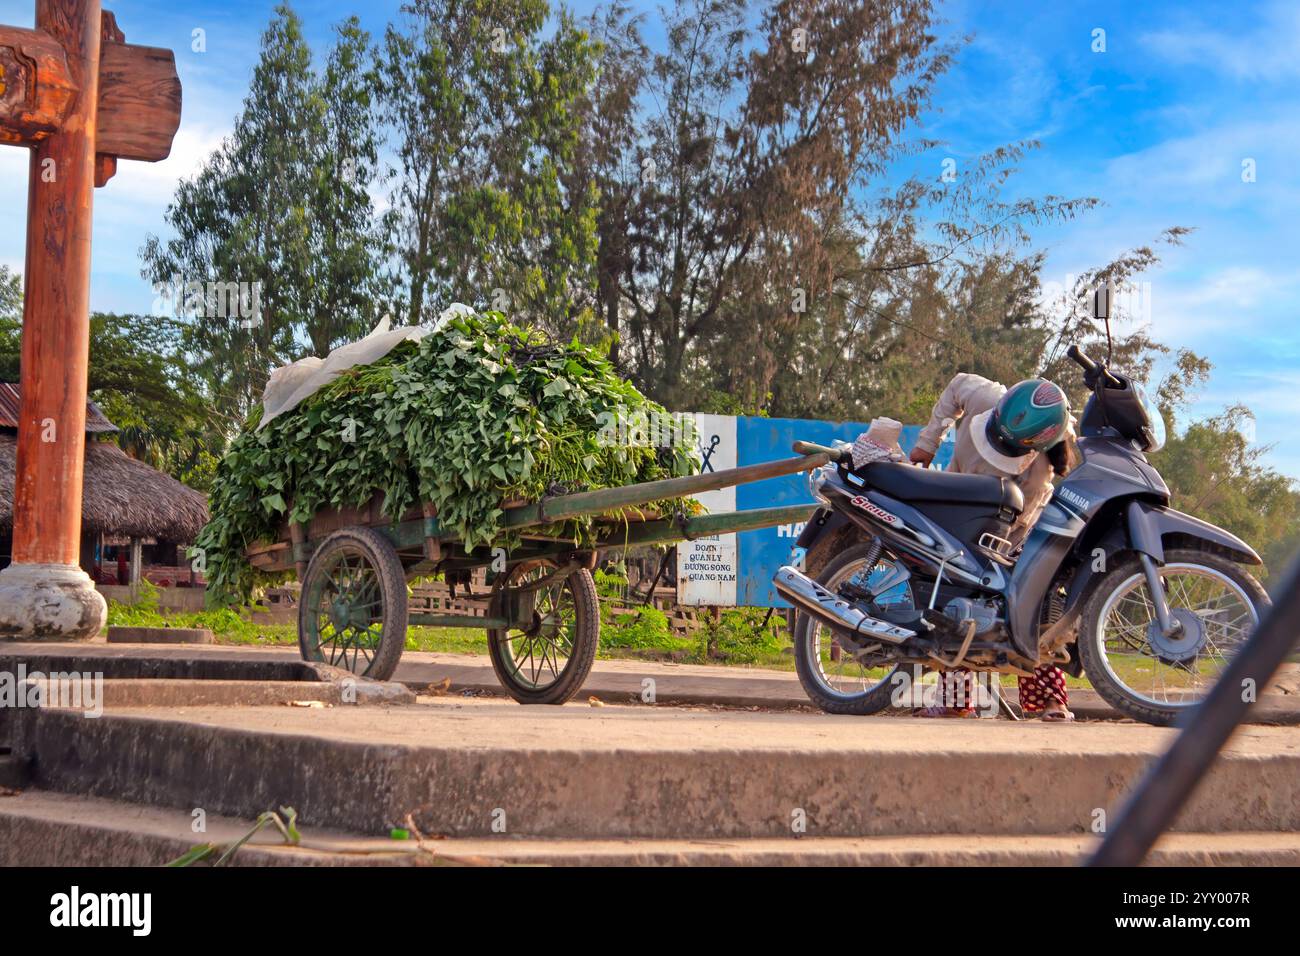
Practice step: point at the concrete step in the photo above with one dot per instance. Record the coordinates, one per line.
(38, 828)
(614, 681)
(470, 768)
(14, 772)
(1180, 849)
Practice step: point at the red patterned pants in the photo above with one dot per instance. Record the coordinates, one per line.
(957, 689)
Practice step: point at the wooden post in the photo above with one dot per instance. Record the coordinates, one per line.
(50, 98)
(137, 559)
(56, 309)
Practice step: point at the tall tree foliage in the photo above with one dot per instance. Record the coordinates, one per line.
(11, 294)
(281, 208)
(481, 104)
(348, 288)
(740, 230)
(606, 155)
(141, 379)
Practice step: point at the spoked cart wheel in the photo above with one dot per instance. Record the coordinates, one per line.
(545, 657)
(353, 610)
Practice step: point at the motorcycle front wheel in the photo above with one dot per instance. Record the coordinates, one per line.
(1156, 678)
(833, 679)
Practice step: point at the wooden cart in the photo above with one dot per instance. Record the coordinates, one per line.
(542, 618)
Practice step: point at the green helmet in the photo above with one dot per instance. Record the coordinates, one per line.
(1031, 416)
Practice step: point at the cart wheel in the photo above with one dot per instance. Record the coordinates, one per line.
(548, 660)
(353, 609)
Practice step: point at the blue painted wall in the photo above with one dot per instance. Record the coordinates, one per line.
(761, 552)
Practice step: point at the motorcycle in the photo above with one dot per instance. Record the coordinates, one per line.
(1111, 582)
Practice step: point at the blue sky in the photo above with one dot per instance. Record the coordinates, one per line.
(1157, 126)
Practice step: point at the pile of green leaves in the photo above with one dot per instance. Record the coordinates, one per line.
(477, 414)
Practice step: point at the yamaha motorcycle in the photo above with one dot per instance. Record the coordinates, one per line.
(912, 571)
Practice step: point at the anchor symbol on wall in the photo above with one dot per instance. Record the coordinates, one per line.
(707, 453)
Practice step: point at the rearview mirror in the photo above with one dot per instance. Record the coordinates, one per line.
(1101, 302)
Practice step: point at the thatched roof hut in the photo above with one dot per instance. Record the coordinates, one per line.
(120, 497)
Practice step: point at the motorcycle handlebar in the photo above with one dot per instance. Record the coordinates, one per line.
(1081, 358)
(1091, 369)
(811, 448)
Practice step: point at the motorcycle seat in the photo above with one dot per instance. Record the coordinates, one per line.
(915, 485)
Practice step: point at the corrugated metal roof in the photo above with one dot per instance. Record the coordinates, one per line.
(9, 400)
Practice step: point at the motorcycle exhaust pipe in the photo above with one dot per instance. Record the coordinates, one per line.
(806, 594)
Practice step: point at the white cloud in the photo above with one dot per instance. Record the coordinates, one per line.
(1206, 167)
(1197, 310)
(1266, 53)
(154, 184)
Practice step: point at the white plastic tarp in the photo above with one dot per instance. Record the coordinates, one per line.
(291, 384)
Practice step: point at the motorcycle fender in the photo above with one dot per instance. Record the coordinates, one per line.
(823, 521)
(1093, 566)
(1144, 529)
(1149, 527)
(1044, 551)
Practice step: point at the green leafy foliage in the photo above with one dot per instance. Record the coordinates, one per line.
(610, 585)
(745, 635)
(647, 628)
(479, 413)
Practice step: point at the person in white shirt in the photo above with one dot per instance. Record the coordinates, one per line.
(1024, 433)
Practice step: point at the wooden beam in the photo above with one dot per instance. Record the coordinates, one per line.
(609, 500)
(139, 102)
(139, 93)
(36, 86)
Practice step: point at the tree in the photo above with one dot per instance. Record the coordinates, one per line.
(346, 291)
(281, 214)
(139, 377)
(481, 108)
(747, 159)
(11, 323)
(606, 154)
(1215, 472)
(11, 295)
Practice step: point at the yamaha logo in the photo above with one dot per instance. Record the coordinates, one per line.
(1074, 498)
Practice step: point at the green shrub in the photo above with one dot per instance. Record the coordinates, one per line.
(740, 637)
(647, 628)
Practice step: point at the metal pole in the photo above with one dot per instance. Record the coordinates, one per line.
(1154, 805)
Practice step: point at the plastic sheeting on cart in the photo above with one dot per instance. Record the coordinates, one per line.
(292, 384)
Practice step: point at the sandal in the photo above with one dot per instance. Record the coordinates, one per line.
(951, 712)
(1063, 716)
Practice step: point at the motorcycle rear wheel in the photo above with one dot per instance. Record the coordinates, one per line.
(865, 690)
(1155, 679)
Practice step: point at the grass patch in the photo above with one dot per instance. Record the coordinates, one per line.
(741, 637)
(228, 625)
